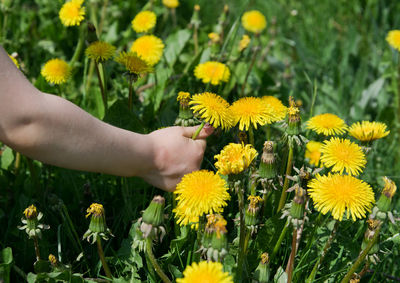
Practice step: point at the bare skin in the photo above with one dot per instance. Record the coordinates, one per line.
(57, 132)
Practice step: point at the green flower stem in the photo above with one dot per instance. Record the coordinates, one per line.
(195, 40)
(17, 162)
(79, 46)
(198, 130)
(286, 183)
(173, 16)
(280, 239)
(242, 236)
(290, 264)
(251, 135)
(130, 99)
(362, 256)
(253, 60)
(36, 244)
(103, 259)
(156, 266)
(102, 89)
(328, 243)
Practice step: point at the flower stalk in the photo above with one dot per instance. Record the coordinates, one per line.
(102, 86)
(153, 261)
(198, 130)
(102, 258)
(289, 166)
(242, 233)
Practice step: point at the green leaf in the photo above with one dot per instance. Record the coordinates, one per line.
(280, 276)
(41, 266)
(7, 157)
(175, 44)
(120, 116)
(269, 234)
(5, 264)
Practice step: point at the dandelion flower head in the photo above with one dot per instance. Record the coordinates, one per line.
(149, 48)
(100, 51)
(244, 42)
(72, 13)
(368, 131)
(214, 37)
(390, 187)
(234, 158)
(30, 212)
(144, 21)
(133, 63)
(172, 4)
(200, 192)
(205, 272)
(313, 152)
(393, 38)
(56, 71)
(213, 109)
(212, 72)
(327, 124)
(343, 155)
(340, 194)
(254, 21)
(95, 209)
(278, 110)
(251, 111)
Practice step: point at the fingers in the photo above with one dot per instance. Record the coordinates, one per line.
(204, 133)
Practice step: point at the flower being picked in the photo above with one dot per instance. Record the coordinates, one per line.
(56, 71)
(205, 271)
(144, 21)
(251, 111)
(368, 131)
(149, 48)
(72, 13)
(313, 152)
(340, 195)
(172, 4)
(133, 63)
(198, 193)
(393, 38)
(234, 158)
(212, 72)
(213, 109)
(343, 155)
(100, 51)
(254, 21)
(327, 124)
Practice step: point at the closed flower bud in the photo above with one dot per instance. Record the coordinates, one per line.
(267, 167)
(153, 219)
(293, 118)
(388, 192)
(297, 208)
(262, 273)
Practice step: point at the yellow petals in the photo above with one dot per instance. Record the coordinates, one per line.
(234, 158)
(56, 71)
(205, 272)
(368, 131)
(313, 152)
(254, 21)
(72, 13)
(212, 72)
(327, 124)
(100, 51)
(393, 38)
(149, 48)
(144, 21)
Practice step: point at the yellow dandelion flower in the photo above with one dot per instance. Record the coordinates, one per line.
(96, 209)
(214, 37)
(213, 109)
(183, 95)
(278, 110)
(72, 13)
(341, 155)
(340, 194)
(212, 72)
(31, 212)
(368, 131)
(254, 21)
(313, 152)
(133, 63)
(205, 271)
(200, 192)
(56, 71)
(144, 21)
(14, 61)
(234, 158)
(172, 4)
(251, 111)
(327, 124)
(244, 42)
(100, 51)
(393, 38)
(149, 48)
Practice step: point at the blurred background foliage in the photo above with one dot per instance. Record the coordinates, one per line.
(331, 51)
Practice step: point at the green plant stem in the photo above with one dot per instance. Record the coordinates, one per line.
(290, 264)
(79, 47)
(101, 84)
(130, 98)
(362, 256)
(251, 135)
(173, 16)
(156, 266)
(3, 30)
(198, 130)
(195, 40)
(280, 239)
(36, 244)
(103, 259)
(242, 248)
(17, 162)
(253, 60)
(286, 183)
(323, 254)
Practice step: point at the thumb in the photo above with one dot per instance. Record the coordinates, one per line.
(204, 133)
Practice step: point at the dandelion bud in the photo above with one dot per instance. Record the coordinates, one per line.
(373, 224)
(31, 222)
(153, 218)
(388, 192)
(297, 208)
(30, 212)
(54, 261)
(267, 167)
(197, 7)
(98, 226)
(214, 242)
(251, 213)
(262, 272)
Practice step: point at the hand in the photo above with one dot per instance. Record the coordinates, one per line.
(176, 154)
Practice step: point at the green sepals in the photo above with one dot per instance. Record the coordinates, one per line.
(296, 210)
(267, 171)
(262, 272)
(250, 218)
(98, 224)
(293, 128)
(154, 213)
(384, 203)
(185, 113)
(218, 242)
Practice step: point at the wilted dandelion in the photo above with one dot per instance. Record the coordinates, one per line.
(72, 13)
(149, 48)
(144, 21)
(170, 3)
(251, 112)
(205, 271)
(133, 63)
(341, 155)
(368, 131)
(254, 21)
(277, 109)
(213, 109)
(393, 38)
(56, 71)
(212, 72)
(235, 158)
(100, 51)
(327, 124)
(244, 42)
(200, 192)
(313, 152)
(214, 37)
(340, 194)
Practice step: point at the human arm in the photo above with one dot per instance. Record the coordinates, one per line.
(55, 131)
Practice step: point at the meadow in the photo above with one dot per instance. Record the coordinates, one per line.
(298, 181)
